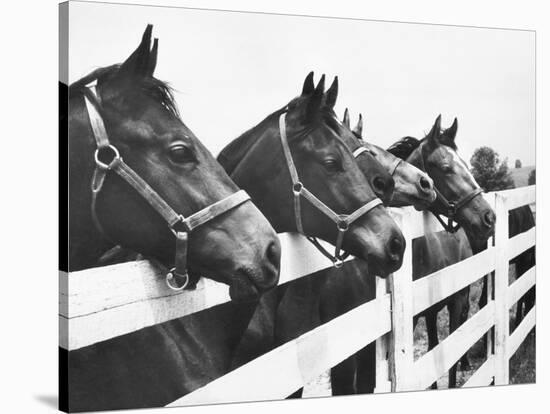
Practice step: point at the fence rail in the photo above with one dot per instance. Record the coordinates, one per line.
(103, 303)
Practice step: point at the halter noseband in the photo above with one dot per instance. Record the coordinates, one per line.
(452, 207)
(179, 225)
(342, 221)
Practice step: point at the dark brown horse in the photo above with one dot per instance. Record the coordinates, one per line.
(238, 248)
(380, 240)
(156, 365)
(344, 289)
(520, 220)
(430, 253)
(349, 288)
(318, 143)
(437, 155)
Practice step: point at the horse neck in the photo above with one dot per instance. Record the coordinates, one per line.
(86, 244)
(263, 174)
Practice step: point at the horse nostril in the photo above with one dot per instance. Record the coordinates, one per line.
(273, 254)
(396, 248)
(378, 185)
(489, 218)
(425, 184)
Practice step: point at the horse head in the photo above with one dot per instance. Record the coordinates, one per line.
(412, 186)
(325, 167)
(237, 247)
(459, 197)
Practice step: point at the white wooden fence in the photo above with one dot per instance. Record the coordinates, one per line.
(103, 303)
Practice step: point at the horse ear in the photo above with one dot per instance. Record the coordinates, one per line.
(450, 133)
(332, 93)
(346, 118)
(358, 130)
(153, 58)
(138, 64)
(434, 133)
(309, 86)
(316, 99)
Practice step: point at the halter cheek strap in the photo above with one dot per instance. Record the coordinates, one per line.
(342, 221)
(451, 207)
(178, 277)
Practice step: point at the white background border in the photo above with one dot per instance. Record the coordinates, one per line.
(28, 163)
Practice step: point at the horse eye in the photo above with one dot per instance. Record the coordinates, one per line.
(331, 165)
(180, 154)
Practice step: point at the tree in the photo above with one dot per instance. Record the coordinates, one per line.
(518, 163)
(532, 177)
(490, 173)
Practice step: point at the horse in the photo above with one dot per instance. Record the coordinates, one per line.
(356, 374)
(154, 184)
(520, 219)
(308, 156)
(344, 289)
(459, 199)
(268, 182)
(158, 364)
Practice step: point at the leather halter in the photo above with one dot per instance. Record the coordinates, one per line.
(451, 207)
(179, 225)
(342, 221)
(360, 150)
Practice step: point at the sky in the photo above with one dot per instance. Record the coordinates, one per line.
(231, 70)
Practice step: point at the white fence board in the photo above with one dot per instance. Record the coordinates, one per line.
(501, 292)
(484, 375)
(518, 197)
(434, 364)
(521, 285)
(111, 301)
(282, 371)
(439, 285)
(101, 303)
(523, 241)
(521, 332)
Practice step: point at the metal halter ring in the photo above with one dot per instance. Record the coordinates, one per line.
(297, 188)
(101, 164)
(171, 275)
(338, 262)
(343, 226)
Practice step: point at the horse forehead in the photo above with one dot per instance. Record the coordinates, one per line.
(144, 130)
(459, 161)
(139, 129)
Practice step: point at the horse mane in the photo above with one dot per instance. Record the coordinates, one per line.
(154, 88)
(236, 150)
(404, 147)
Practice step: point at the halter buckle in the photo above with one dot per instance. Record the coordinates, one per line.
(171, 277)
(338, 262)
(451, 209)
(181, 220)
(115, 156)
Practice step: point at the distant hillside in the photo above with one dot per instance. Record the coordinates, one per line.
(520, 175)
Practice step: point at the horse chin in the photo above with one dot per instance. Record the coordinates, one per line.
(240, 293)
(383, 270)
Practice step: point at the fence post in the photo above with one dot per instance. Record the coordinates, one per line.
(383, 383)
(502, 318)
(401, 348)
